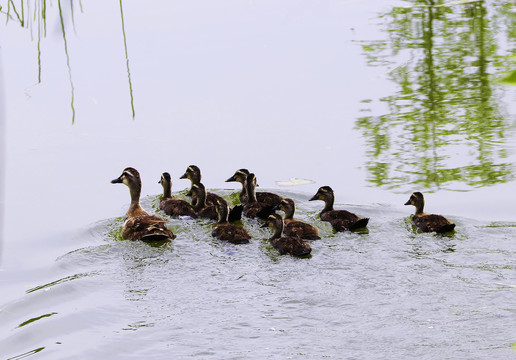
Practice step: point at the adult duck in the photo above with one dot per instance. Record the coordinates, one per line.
(139, 224)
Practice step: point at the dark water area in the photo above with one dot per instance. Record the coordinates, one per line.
(376, 99)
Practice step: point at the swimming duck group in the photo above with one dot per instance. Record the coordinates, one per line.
(289, 234)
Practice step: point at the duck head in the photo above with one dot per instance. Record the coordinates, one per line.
(417, 200)
(166, 182)
(287, 206)
(239, 176)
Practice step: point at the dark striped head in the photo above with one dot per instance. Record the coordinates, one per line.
(275, 221)
(130, 177)
(324, 192)
(288, 206)
(416, 199)
(165, 179)
(239, 176)
(193, 173)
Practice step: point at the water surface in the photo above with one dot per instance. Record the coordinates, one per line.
(374, 98)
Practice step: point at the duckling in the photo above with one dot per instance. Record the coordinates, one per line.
(193, 173)
(240, 176)
(171, 205)
(291, 245)
(140, 225)
(223, 230)
(295, 227)
(340, 220)
(201, 207)
(253, 208)
(428, 222)
(263, 197)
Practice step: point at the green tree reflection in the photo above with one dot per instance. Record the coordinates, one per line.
(444, 127)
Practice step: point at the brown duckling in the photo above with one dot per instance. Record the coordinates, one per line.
(139, 224)
(171, 205)
(223, 230)
(201, 206)
(253, 208)
(428, 222)
(340, 220)
(193, 173)
(291, 245)
(295, 227)
(263, 197)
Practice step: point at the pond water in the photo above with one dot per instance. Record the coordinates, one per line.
(375, 98)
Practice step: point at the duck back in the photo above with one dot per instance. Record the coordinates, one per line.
(301, 229)
(231, 233)
(433, 222)
(177, 207)
(146, 228)
(291, 245)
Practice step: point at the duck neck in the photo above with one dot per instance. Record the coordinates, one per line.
(289, 212)
(419, 208)
(200, 202)
(195, 180)
(222, 212)
(328, 203)
(243, 193)
(278, 230)
(135, 208)
(167, 190)
(251, 192)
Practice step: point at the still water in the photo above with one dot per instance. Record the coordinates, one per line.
(374, 98)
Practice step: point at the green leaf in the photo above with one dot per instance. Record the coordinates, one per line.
(510, 79)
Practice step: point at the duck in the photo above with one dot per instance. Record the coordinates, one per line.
(291, 245)
(340, 220)
(170, 205)
(262, 196)
(193, 173)
(225, 231)
(139, 224)
(201, 206)
(254, 208)
(295, 227)
(428, 222)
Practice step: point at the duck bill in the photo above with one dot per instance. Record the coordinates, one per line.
(183, 176)
(408, 203)
(313, 198)
(264, 225)
(231, 179)
(116, 181)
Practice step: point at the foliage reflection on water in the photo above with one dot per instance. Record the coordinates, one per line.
(444, 128)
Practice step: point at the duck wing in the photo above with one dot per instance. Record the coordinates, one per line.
(302, 230)
(146, 228)
(433, 222)
(291, 246)
(177, 207)
(343, 220)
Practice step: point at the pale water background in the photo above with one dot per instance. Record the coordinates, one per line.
(374, 98)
